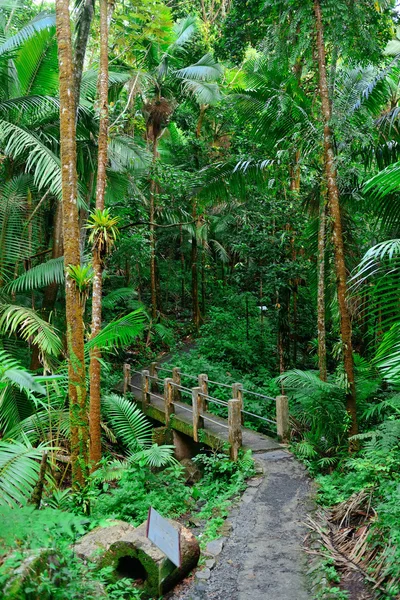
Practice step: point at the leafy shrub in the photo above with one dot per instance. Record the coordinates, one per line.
(138, 489)
(30, 528)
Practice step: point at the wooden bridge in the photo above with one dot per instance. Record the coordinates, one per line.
(187, 410)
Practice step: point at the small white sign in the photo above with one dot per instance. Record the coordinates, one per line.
(164, 536)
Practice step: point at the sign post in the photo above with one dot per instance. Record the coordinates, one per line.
(164, 535)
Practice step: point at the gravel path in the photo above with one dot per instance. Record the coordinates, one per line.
(262, 559)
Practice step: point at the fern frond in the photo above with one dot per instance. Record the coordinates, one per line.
(129, 424)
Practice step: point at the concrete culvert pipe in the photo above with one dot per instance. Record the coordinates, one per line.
(132, 555)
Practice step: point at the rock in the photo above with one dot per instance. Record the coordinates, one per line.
(215, 546)
(192, 473)
(95, 544)
(226, 527)
(258, 467)
(133, 555)
(210, 563)
(254, 482)
(204, 574)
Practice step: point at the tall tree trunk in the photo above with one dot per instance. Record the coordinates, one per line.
(337, 234)
(321, 293)
(195, 277)
(81, 39)
(203, 278)
(74, 317)
(94, 366)
(182, 268)
(153, 276)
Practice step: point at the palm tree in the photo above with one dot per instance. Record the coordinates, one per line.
(167, 80)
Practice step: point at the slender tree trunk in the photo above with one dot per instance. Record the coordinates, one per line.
(153, 276)
(182, 268)
(337, 234)
(81, 39)
(321, 293)
(195, 277)
(74, 317)
(203, 278)
(95, 355)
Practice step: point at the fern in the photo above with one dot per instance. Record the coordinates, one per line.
(128, 423)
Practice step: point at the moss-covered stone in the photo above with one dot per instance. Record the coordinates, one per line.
(157, 574)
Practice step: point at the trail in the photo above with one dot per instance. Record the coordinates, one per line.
(263, 558)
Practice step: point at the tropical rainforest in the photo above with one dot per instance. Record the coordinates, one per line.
(216, 182)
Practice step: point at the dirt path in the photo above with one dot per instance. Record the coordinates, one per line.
(262, 559)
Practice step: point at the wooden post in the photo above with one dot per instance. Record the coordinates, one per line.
(203, 384)
(127, 378)
(145, 390)
(197, 405)
(235, 428)
(168, 399)
(176, 376)
(237, 391)
(282, 418)
(154, 382)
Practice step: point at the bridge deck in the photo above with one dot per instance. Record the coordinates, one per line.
(214, 431)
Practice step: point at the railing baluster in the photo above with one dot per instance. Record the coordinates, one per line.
(145, 390)
(235, 428)
(203, 384)
(176, 376)
(168, 399)
(282, 418)
(237, 391)
(197, 406)
(127, 378)
(154, 374)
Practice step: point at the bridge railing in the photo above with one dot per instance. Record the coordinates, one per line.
(173, 392)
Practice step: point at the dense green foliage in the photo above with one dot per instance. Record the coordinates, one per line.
(219, 245)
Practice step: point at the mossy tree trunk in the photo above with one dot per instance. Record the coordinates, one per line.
(335, 214)
(81, 39)
(74, 317)
(95, 367)
(321, 293)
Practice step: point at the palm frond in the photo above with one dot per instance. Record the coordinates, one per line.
(206, 69)
(19, 470)
(41, 22)
(120, 332)
(26, 323)
(184, 29)
(39, 276)
(20, 143)
(126, 154)
(127, 421)
(156, 456)
(204, 92)
(90, 78)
